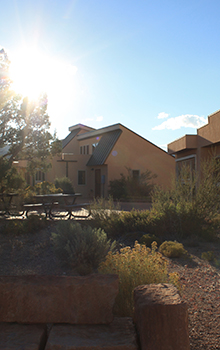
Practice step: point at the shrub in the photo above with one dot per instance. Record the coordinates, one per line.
(209, 256)
(116, 223)
(81, 248)
(32, 224)
(35, 223)
(15, 227)
(148, 239)
(129, 186)
(40, 188)
(134, 266)
(191, 206)
(65, 184)
(172, 249)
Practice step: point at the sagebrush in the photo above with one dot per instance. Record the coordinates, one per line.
(81, 248)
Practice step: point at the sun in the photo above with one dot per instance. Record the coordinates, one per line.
(33, 73)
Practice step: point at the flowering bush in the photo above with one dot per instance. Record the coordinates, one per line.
(135, 266)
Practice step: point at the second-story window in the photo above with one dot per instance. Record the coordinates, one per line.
(84, 149)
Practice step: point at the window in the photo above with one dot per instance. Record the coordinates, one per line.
(84, 149)
(39, 176)
(136, 174)
(81, 177)
(186, 166)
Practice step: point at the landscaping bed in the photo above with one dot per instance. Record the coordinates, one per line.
(32, 254)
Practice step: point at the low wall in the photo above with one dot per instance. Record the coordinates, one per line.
(71, 313)
(58, 299)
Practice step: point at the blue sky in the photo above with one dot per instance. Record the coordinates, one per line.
(153, 66)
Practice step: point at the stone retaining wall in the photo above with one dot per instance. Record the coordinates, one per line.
(76, 312)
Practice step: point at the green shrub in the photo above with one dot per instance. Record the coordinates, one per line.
(148, 239)
(65, 184)
(45, 187)
(15, 227)
(81, 248)
(209, 256)
(129, 186)
(135, 266)
(172, 249)
(191, 206)
(33, 223)
(116, 223)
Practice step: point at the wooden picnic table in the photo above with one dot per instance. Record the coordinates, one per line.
(57, 205)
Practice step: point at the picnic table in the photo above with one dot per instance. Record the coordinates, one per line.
(58, 205)
(8, 207)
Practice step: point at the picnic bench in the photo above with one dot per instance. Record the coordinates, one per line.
(58, 205)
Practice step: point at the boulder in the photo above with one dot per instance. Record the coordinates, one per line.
(119, 335)
(58, 299)
(161, 318)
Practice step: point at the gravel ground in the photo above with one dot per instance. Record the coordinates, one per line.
(200, 288)
(31, 254)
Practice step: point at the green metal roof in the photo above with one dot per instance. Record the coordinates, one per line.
(104, 148)
(70, 137)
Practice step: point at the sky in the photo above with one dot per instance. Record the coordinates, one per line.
(153, 66)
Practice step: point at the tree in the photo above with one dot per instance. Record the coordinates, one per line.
(24, 125)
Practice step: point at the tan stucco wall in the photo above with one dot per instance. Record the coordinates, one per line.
(211, 131)
(134, 152)
(185, 142)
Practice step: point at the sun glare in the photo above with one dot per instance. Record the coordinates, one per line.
(33, 73)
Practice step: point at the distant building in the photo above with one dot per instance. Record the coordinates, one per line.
(191, 150)
(91, 158)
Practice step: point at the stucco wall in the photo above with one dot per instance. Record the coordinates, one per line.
(134, 152)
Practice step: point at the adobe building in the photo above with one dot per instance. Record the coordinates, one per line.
(91, 158)
(191, 150)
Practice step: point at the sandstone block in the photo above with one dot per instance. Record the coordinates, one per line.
(119, 335)
(58, 299)
(19, 337)
(161, 318)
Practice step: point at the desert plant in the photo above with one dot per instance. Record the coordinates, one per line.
(107, 215)
(132, 187)
(209, 256)
(172, 249)
(81, 248)
(148, 239)
(134, 266)
(32, 224)
(65, 184)
(191, 206)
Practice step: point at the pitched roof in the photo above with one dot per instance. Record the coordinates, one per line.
(70, 137)
(104, 147)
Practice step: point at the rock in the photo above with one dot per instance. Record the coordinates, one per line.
(58, 299)
(161, 318)
(19, 337)
(119, 335)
